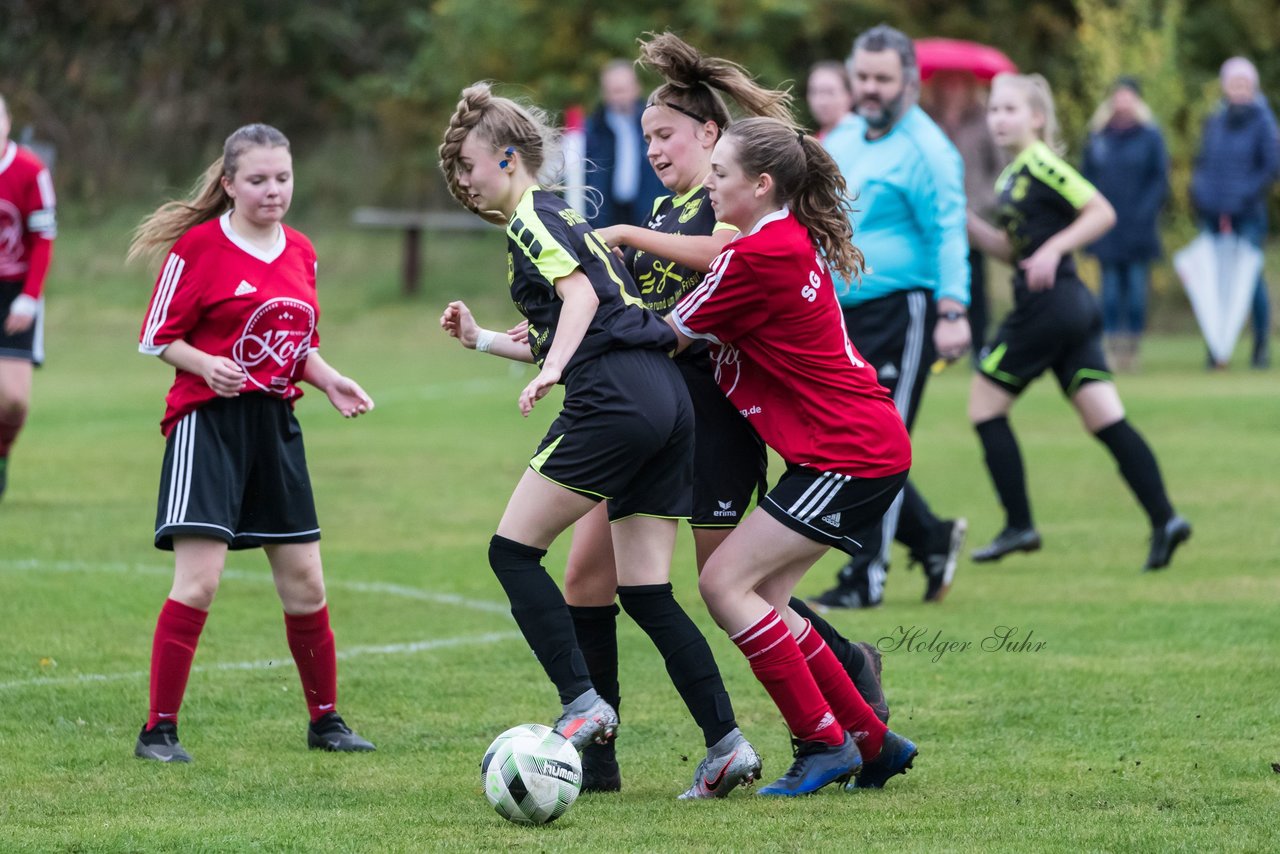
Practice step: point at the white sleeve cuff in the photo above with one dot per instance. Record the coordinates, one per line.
(689, 333)
(151, 350)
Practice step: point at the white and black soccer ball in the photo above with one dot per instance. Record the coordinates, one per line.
(531, 774)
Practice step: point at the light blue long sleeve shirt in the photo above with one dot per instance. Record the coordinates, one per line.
(909, 211)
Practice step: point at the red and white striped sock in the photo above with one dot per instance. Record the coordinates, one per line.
(838, 689)
(776, 661)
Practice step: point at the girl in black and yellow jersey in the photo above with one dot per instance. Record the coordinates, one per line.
(1046, 211)
(624, 436)
(682, 121)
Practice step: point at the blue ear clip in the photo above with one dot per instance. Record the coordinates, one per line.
(511, 150)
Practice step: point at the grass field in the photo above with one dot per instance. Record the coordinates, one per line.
(1147, 720)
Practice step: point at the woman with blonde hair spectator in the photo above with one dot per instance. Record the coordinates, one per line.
(1126, 159)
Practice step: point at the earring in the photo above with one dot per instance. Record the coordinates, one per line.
(509, 152)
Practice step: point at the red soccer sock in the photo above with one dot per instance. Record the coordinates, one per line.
(850, 708)
(776, 661)
(10, 427)
(172, 651)
(311, 642)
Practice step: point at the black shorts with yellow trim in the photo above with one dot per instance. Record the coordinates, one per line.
(1059, 329)
(624, 435)
(828, 507)
(730, 462)
(235, 470)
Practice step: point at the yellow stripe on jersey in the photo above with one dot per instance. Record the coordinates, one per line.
(1056, 174)
(551, 259)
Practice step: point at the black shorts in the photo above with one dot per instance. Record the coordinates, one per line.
(830, 508)
(1059, 329)
(625, 435)
(894, 334)
(235, 470)
(27, 345)
(730, 463)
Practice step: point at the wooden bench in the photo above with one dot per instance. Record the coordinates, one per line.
(414, 224)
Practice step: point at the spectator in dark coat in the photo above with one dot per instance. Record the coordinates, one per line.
(1237, 164)
(1126, 159)
(618, 171)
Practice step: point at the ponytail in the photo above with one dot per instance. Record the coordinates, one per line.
(696, 83)
(808, 181)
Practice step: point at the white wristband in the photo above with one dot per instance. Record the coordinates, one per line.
(484, 340)
(24, 305)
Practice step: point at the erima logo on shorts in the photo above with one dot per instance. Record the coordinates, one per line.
(726, 509)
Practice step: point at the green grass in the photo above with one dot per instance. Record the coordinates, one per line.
(1146, 722)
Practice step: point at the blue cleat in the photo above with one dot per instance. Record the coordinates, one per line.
(817, 764)
(895, 758)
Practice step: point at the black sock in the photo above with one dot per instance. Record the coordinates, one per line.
(850, 655)
(597, 629)
(687, 654)
(541, 614)
(1139, 469)
(1004, 462)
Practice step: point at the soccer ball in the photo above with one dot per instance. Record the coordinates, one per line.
(531, 774)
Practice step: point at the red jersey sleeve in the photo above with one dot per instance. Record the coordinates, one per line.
(175, 305)
(727, 304)
(41, 228)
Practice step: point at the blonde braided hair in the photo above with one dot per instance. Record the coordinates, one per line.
(502, 123)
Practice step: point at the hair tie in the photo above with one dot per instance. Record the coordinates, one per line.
(800, 137)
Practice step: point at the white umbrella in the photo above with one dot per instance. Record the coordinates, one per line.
(1219, 273)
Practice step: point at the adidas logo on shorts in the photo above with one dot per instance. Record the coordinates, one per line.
(832, 519)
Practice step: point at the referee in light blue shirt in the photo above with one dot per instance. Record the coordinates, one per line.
(910, 306)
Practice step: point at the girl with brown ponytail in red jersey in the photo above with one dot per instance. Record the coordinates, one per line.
(768, 308)
(234, 312)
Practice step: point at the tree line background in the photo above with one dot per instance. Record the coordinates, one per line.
(137, 95)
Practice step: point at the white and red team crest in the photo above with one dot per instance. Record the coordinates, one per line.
(11, 233)
(275, 342)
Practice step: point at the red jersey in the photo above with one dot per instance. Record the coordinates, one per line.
(784, 359)
(222, 295)
(27, 221)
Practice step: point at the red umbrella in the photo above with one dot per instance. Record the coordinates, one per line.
(983, 61)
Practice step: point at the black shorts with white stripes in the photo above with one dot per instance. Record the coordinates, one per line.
(28, 345)
(830, 508)
(235, 470)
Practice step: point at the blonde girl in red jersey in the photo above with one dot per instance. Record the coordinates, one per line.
(769, 309)
(234, 312)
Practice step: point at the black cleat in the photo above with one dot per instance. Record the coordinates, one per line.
(600, 771)
(332, 733)
(160, 743)
(1164, 540)
(868, 681)
(896, 757)
(1008, 541)
(940, 565)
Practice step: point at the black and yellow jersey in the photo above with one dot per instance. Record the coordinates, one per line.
(1039, 195)
(547, 240)
(664, 283)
